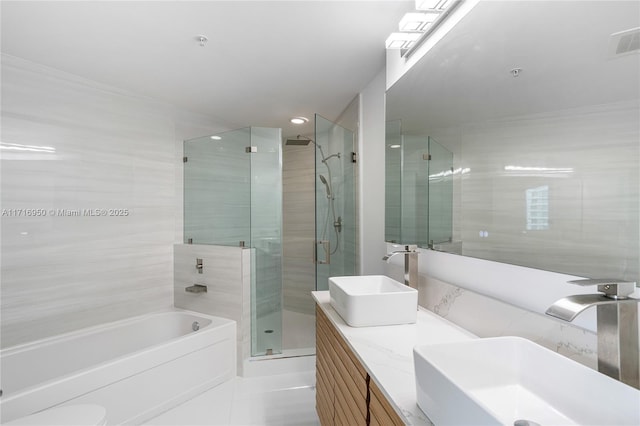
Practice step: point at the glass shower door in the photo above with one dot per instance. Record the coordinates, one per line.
(335, 245)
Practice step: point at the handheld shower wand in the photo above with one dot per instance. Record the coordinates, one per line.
(326, 185)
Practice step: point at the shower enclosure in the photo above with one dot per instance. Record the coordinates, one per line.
(233, 197)
(295, 212)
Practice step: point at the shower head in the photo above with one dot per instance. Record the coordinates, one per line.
(326, 185)
(300, 142)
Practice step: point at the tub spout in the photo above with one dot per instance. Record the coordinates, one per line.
(196, 288)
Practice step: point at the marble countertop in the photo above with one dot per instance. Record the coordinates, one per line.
(386, 353)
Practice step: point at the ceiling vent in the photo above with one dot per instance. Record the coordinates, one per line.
(625, 42)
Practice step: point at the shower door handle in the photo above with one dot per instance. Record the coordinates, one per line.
(326, 246)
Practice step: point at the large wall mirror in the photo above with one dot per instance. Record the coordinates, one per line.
(531, 110)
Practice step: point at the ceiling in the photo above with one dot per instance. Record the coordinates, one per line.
(265, 61)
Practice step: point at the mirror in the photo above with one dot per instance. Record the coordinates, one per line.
(418, 189)
(538, 103)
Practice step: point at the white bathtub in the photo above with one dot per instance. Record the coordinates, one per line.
(135, 368)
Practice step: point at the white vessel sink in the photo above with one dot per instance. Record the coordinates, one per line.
(372, 300)
(499, 381)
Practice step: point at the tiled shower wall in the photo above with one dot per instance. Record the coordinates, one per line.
(298, 272)
(88, 200)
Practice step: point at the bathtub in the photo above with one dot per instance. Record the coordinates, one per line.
(135, 368)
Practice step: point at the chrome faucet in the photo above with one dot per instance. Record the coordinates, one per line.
(617, 325)
(410, 264)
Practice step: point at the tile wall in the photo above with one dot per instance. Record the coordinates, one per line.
(89, 201)
(298, 272)
(226, 272)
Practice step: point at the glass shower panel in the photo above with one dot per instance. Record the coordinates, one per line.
(335, 202)
(266, 240)
(216, 189)
(440, 194)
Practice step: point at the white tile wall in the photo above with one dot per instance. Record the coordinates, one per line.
(298, 272)
(226, 273)
(69, 144)
(72, 144)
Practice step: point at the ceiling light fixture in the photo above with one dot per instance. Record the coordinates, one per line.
(402, 40)
(394, 146)
(216, 138)
(432, 4)
(416, 27)
(417, 21)
(299, 120)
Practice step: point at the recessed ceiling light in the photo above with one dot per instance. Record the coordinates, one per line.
(299, 120)
(216, 138)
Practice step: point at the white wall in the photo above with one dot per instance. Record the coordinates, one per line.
(371, 183)
(69, 144)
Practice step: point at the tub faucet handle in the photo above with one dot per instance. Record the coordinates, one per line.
(199, 265)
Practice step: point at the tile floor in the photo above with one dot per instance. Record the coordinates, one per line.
(284, 399)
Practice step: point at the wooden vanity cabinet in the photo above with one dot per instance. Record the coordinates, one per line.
(345, 394)
(381, 413)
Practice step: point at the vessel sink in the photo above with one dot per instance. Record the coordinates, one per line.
(512, 381)
(373, 300)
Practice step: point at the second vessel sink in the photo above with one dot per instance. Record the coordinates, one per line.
(373, 300)
(512, 381)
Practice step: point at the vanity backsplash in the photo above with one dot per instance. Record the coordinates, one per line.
(487, 317)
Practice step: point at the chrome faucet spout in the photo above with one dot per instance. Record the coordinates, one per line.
(617, 328)
(568, 308)
(410, 264)
(388, 256)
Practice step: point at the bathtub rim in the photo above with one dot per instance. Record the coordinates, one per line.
(69, 335)
(66, 388)
(216, 323)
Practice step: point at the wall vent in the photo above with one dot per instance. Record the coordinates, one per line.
(625, 42)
